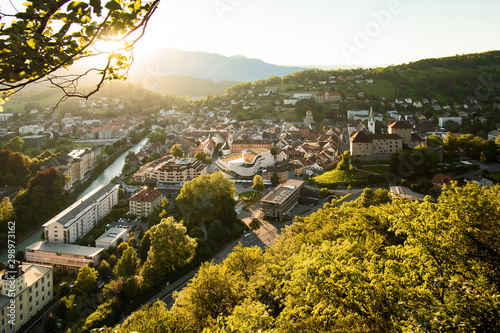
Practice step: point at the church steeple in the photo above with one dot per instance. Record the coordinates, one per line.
(371, 121)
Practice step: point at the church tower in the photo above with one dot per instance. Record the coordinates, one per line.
(308, 120)
(371, 121)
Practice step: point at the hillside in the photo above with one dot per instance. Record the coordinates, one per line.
(450, 79)
(206, 65)
(368, 266)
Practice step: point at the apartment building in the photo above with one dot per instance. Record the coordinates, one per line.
(25, 290)
(79, 218)
(142, 203)
(239, 145)
(172, 171)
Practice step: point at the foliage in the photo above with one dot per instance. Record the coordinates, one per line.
(324, 192)
(275, 179)
(207, 198)
(258, 184)
(105, 314)
(16, 144)
(45, 36)
(416, 162)
(176, 151)
(86, 281)
(154, 318)
(213, 292)
(170, 249)
(203, 157)
(254, 224)
(128, 264)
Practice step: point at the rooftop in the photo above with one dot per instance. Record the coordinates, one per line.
(64, 248)
(66, 216)
(111, 234)
(146, 195)
(283, 191)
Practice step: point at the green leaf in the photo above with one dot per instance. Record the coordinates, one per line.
(32, 43)
(113, 5)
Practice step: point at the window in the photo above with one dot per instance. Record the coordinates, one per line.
(31, 309)
(31, 299)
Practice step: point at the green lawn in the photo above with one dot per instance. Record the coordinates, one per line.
(494, 177)
(381, 88)
(252, 196)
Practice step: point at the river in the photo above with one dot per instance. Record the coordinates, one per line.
(112, 171)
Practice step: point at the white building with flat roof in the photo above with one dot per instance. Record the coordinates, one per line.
(25, 290)
(111, 237)
(79, 218)
(66, 256)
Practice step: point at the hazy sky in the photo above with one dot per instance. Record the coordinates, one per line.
(321, 32)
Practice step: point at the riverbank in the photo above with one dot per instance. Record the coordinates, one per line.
(110, 167)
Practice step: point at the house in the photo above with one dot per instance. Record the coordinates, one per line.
(439, 180)
(142, 203)
(479, 180)
(368, 144)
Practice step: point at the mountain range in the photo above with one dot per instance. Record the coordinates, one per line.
(206, 65)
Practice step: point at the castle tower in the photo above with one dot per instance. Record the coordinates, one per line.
(371, 121)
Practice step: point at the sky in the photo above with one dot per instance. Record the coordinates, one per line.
(320, 32)
(364, 33)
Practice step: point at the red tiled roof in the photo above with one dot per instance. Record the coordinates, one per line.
(440, 178)
(146, 195)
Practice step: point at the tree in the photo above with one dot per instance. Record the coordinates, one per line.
(16, 144)
(324, 192)
(213, 292)
(275, 179)
(144, 246)
(104, 269)
(206, 198)
(258, 183)
(434, 140)
(170, 247)
(203, 157)
(497, 140)
(6, 211)
(154, 318)
(45, 36)
(254, 224)
(86, 281)
(176, 151)
(128, 265)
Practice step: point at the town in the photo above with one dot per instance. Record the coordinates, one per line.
(282, 147)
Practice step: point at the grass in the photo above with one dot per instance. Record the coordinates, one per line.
(252, 196)
(381, 88)
(375, 168)
(335, 176)
(494, 177)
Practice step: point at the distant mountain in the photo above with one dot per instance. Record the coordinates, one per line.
(206, 65)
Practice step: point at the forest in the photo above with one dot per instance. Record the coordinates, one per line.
(378, 264)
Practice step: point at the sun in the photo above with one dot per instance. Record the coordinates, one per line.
(108, 46)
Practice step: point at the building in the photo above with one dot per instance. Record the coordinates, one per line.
(356, 112)
(34, 141)
(439, 180)
(238, 145)
(31, 129)
(332, 96)
(25, 291)
(371, 121)
(246, 164)
(111, 237)
(65, 256)
(410, 139)
(308, 120)
(79, 218)
(367, 144)
(141, 204)
(444, 120)
(406, 193)
(172, 171)
(281, 171)
(73, 165)
(279, 202)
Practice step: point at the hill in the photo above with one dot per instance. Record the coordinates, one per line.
(206, 65)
